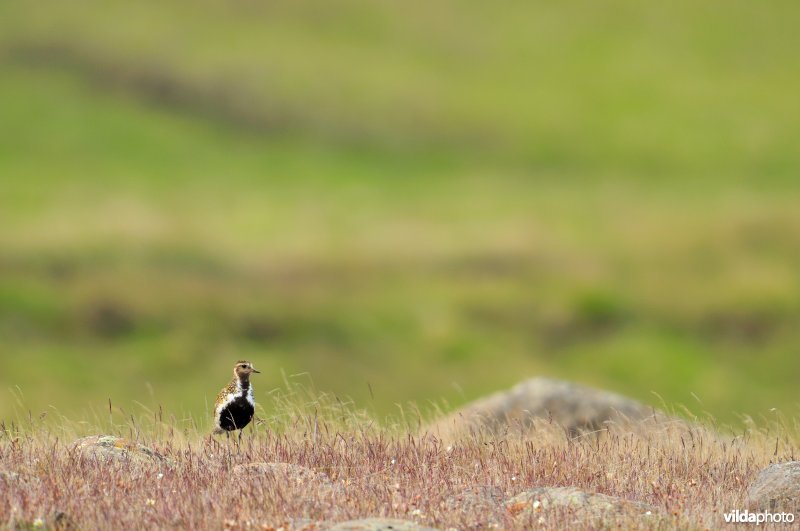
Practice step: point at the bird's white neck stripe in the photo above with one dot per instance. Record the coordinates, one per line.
(245, 391)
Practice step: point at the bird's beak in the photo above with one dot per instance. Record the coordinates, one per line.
(257, 372)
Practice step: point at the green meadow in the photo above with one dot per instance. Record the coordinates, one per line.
(399, 202)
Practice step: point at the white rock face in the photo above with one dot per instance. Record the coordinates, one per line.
(776, 489)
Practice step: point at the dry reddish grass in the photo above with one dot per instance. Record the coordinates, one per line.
(688, 474)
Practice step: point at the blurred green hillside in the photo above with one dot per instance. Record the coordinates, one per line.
(407, 201)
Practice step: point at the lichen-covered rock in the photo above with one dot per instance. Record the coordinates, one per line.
(112, 448)
(480, 506)
(776, 488)
(542, 504)
(379, 524)
(570, 405)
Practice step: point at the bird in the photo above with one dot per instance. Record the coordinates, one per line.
(235, 405)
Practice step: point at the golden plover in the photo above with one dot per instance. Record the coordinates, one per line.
(235, 404)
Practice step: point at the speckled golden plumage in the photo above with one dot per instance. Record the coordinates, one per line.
(225, 391)
(235, 405)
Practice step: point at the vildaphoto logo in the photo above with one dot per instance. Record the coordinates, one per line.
(758, 518)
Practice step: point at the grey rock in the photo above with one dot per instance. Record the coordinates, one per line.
(303, 524)
(313, 492)
(479, 506)
(776, 488)
(575, 407)
(19, 478)
(379, 524)
(110, 448)
(541, 504)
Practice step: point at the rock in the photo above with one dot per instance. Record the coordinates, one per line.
(313, 492)
(111, 448)
(19, 478)
(302, 524)
(285, 473)
(479, 507)
(541, 504)
(379, 524)
(776, 488)
(572, 406)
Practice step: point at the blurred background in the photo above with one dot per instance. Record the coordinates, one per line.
(408, 201)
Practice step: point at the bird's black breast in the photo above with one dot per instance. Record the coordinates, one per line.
(236, 415)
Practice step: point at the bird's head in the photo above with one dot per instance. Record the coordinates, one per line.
(244, 368)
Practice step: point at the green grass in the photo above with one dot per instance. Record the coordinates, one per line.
(396, 198)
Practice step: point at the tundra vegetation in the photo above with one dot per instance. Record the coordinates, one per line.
(312, 461)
